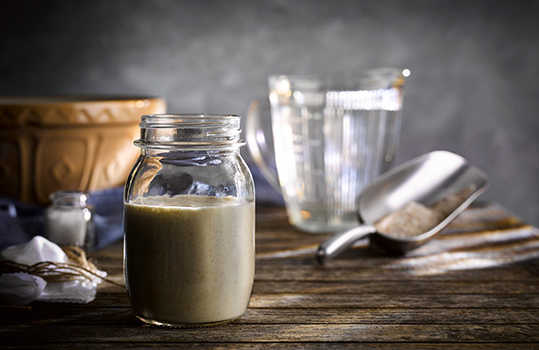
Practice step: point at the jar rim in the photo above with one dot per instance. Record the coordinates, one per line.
(192, 115)
(164, 119)
(69, 198)
(190, 130)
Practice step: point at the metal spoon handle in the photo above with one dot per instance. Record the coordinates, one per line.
(341, 241)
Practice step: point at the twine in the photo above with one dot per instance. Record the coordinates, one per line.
(78, 268)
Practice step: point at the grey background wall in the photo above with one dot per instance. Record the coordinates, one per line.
(474, 87)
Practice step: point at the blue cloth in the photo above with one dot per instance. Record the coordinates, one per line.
(107, 207)
(20, 221)
(265, 193)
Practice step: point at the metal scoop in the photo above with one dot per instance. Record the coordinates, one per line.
(427, 180)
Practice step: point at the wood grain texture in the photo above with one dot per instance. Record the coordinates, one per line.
(475, 286)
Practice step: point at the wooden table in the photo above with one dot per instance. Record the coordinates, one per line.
(477, 285)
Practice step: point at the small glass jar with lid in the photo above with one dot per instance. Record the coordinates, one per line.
(189, 220)
(69, 220)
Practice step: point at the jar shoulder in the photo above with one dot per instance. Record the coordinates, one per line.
(190, 173)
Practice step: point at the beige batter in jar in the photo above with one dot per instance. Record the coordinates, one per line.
(189, 259)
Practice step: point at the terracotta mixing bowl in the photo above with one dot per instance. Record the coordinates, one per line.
(68, 143)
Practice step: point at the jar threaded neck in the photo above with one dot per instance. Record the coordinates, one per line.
(189, 130)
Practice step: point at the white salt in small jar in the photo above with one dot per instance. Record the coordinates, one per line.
(68, 220)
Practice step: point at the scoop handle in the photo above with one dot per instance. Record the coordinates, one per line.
(340, 242)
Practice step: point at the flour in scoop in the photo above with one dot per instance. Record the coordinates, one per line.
(414, 218)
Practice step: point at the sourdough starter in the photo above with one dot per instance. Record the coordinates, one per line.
(189, 259)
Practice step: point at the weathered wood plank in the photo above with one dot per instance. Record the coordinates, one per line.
(514, 241)
(530, 285)
(390, 316)
(264, 333)
(400, 286)
(390, 300)
(124, 316)
(435, 262)
(446, 301)
(317, 273)
(311, 273)
(283, 345)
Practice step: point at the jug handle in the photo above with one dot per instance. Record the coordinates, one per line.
(256, 143)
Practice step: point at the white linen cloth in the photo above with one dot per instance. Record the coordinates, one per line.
(22, 288)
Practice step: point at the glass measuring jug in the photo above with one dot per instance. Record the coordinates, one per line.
(332, 135)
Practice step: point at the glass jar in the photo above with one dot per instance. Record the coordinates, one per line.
(68, 220)
(189, 220)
